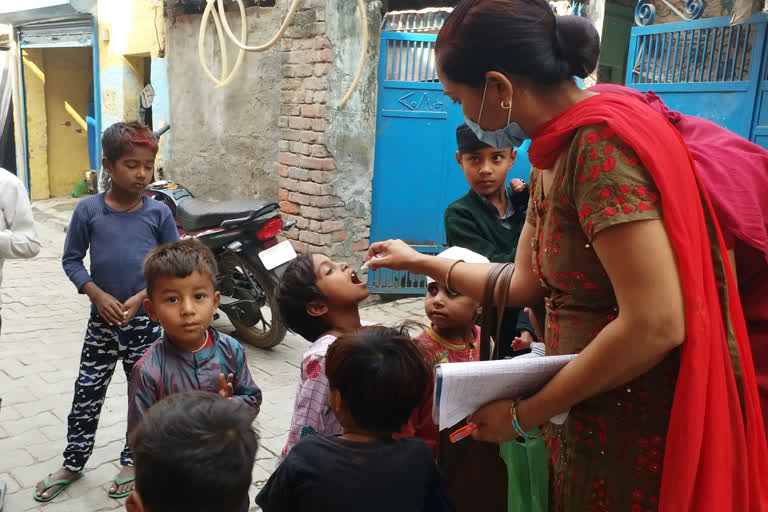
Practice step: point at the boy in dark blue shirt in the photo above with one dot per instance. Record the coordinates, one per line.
(118, 228)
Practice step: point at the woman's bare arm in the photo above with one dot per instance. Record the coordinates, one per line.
(466, 278)
(642, 267)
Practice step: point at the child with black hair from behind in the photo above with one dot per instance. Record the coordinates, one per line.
(377, 378)
(194, 452)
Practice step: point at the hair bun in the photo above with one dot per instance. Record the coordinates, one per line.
(578, 44)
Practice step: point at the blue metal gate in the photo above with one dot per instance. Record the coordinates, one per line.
(706, 68)
(415, 172)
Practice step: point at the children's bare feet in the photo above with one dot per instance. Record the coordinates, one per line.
(60, 474)
(123, 484)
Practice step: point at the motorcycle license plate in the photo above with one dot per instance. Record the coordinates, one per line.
(277, 255)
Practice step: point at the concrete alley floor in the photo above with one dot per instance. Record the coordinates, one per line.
(44, 321)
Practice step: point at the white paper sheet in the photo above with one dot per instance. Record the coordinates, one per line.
(462, 388)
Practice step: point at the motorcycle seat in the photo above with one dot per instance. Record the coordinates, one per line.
(197, 214)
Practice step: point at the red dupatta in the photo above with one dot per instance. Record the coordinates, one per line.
(716, 459)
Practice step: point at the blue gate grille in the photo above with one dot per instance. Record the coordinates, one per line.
(705, 68)
(415, 174)
(714, 54)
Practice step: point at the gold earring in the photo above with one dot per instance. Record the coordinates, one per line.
(506, 104)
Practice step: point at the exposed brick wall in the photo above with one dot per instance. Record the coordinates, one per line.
(307, 169)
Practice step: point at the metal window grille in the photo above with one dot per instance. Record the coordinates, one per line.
(694, 54)
(422, 21)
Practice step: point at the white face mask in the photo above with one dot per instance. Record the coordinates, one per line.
(511, 136)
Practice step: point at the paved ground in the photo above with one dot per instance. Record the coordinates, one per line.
(43, 323)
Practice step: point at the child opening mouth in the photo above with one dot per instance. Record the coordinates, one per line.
(355, 279)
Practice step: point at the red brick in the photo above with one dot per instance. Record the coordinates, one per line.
(289, 207)
(288, 184)
(318, 28)
(288, 159)
(315, 189)
(289, 110)
(340, 236)
(299, 70)
(329, 226)
(288, 134)
(312, 212)
(282, 194)
(299, 246)
(290, 84)
(328, 201)
(318, 249)
(297, 173)
(319, 125)
(324, 55)
(322, 176)
(322, 164)
(300, 198)
(299, 123)
(314, 238)
(311, 137)
(292, 234)
(322, 42)
(318, 151)
(313, 83)
(309, 97)
(298, 148)
(296, 56)
(321, 97)
(360, 245)
(322, 69)
(313, 110)
(281, 171)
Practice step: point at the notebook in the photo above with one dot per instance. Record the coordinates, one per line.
(463, 388)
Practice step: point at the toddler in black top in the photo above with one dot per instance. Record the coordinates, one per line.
(377, 378)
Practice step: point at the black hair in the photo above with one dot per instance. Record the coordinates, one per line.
(521, 38)
(121, 137)
(297, 288)
(467, 141)
(380, 374)
(194, 452)
(178, 259)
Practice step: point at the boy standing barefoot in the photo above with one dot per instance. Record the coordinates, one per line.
(118, 228)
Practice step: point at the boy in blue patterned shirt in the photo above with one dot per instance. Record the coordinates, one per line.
(191, 355)
(118, 228)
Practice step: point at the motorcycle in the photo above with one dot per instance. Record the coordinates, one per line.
(242, 233)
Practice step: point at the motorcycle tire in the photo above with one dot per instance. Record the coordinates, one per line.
(250, 334)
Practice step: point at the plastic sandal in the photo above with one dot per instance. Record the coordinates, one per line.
(64, 483)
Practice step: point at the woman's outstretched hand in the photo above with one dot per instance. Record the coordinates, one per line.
(392, 254)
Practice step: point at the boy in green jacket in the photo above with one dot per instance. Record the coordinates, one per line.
(489, 218)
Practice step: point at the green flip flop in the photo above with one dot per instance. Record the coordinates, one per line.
(121, 481)
(64, 483)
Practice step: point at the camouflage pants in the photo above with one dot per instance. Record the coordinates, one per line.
(104, 345)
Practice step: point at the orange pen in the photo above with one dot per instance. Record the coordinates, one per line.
(463, 432)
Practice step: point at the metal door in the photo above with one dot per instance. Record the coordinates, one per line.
(415, 172)
(706, 68)
(760, 122)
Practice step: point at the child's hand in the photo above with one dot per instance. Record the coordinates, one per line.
(225, 386)
(109, 308)
(523, 341)
(517, 185)
(130, 308)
